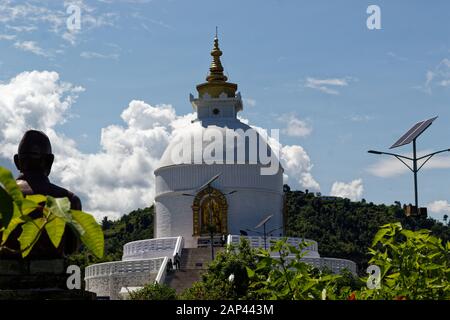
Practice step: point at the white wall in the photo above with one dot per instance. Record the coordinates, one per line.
(257, 196)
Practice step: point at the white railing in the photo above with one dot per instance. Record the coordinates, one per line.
(178, 246)
(334, 264)
(258, 242)
(123, 267)
(150, 248)
(161, 276)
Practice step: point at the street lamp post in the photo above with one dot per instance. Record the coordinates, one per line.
(263, 223)
(264, 234)
(415, 169)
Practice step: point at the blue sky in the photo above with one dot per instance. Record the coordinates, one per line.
(349, 88)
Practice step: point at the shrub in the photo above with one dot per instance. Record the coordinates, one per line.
(154, 291)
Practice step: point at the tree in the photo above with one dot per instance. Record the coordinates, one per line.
(106, 223)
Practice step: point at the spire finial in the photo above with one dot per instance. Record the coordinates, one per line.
(216, 82)
(216, 69)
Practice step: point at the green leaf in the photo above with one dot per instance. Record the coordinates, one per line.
(93, 235)
(6, 208)
(37, 198)
(31, 232)
(379, 235)
(18, 217)
(55, 230)
(8, 181)
(59, 207)
(250, 272)
(15, 221)
(29, 206)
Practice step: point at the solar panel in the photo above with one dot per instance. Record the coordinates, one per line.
(264, 221)
(210, 181)
(413, 133)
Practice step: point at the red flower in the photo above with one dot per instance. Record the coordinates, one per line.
(352, 296)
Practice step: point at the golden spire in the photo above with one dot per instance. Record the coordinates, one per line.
(216, 69)
(216, 80)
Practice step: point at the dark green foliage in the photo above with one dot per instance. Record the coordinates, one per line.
(137, 225)
(345, 229)
(154, 291)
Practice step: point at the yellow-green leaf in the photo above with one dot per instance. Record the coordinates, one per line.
(250, 272)
(29, 206)
(37, 198)
(10, 185)
(379, 235)
(31, 232)
(55, 230)
(59, 207)
(93, 235)
(15, 221)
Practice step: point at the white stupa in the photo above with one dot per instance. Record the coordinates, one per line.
(255, 195)
(207, 187)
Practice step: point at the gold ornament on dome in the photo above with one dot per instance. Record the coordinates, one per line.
(210, 204)
(216, 81)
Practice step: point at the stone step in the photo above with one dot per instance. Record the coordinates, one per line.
(180, 280)
(194, 262)
(197, 258)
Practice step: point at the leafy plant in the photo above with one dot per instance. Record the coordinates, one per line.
(414, 265)
(54, 215)
(284, 277)
(154, 291)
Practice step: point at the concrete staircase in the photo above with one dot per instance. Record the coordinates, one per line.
(194, 261)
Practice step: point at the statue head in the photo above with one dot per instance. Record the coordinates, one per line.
(34, 153)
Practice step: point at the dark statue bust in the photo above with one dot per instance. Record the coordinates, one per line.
(34, 161)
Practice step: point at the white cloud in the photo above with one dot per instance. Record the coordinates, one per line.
(45, 15)
(328, 86)
(297, 165)
(437, 77)
(439, 206)
(360, 118)
(96, 55)
(295, 127)
(249, 102)
(7, 37)
(391, 167)
(32, 100)
(396, 56)
(119, 177)
(32, 47)
(352, 190)
(21, 29)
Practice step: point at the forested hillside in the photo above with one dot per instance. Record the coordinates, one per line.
(136, 225)
(345, 229)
